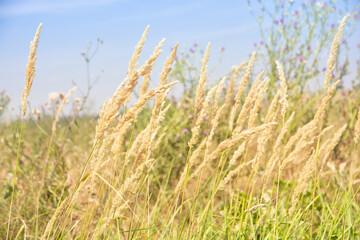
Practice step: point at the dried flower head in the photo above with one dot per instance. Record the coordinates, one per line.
(30, 69)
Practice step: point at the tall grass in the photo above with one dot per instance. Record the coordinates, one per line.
(226, 166)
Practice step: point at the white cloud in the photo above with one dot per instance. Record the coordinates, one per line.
(42, 6)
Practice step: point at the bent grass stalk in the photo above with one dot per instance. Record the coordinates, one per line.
(29, 77)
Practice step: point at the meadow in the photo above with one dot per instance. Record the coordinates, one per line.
(250, 156)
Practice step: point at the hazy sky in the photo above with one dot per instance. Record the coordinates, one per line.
(69, 26)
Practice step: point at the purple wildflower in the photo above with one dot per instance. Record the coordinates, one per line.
(186, 107)
(282, 20)
(261, 42)
(276, 22)
(343, 94)
(222, 48)
(185, 130)
(176, 137)
(192, 50)
(333, 75)
(301, 58)
(203, 132)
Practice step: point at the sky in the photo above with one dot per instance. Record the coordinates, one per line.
(70, 25)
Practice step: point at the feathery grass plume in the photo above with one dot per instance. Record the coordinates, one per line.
(269, 170)
(57, 117)
(217, 97)
(131, 116)
(29, 77)
(118, 132)
(209, 139)
(311, 128)
(294, 139)
(265, 135)
(249, 101)
(234, 172)
(271, 116)
(163, 79)
(232, 142)
(321, 110)
(159, 141)
(239, 151)
(152, 145)
(30, 69)
(304, 147)
(156, 53)
(310, 168)
(159, 99)
(230, 90)
(357, 128)
(136, 144)
(334, 48)
(259, 98)
(57, 213)
(330, 147)
(202, 82)
(134, 60)
(307, 131)
(214, 125)
(129, 183)
(273, 106)
(161, 137)
(200, 117)
(283, 101)
(241, 90)
(189, 165)
(112, 105)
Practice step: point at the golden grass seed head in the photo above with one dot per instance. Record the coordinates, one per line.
(30, 69)
(334, 48)
(230, 90)
(202, 82)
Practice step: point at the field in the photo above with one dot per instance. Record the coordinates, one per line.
(251, 156)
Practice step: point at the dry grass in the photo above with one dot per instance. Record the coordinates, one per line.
(267, 180)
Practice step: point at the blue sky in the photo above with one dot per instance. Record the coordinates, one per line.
(69, 26)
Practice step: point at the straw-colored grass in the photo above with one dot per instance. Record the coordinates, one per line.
(245, 170)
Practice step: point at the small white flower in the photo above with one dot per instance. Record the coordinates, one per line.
(35, 111)
(9, 177)
(53, 97)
